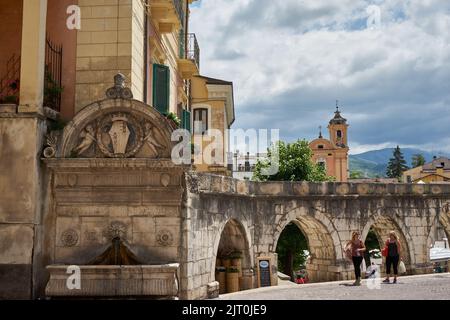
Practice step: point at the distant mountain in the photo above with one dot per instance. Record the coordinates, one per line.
(374, 163)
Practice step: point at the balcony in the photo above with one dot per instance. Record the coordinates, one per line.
(168, 14)
(189, 61)
(10, 78)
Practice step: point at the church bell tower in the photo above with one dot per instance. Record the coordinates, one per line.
(338, 128)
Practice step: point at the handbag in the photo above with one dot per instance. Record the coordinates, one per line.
(363, 266)
(401, 267)
(348, 252)
(385, 250)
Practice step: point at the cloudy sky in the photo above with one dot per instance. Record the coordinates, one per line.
(290, 60)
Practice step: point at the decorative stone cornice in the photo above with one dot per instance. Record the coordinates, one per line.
(106, 163)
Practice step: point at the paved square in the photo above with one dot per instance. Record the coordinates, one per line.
(427, 287)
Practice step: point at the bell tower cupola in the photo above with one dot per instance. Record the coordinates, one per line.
(338, 128)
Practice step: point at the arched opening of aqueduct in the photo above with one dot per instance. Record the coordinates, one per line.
(322, 244)
(382, 226)
(233, 250)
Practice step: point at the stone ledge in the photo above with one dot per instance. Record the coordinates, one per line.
(8, 108)
(212, 184)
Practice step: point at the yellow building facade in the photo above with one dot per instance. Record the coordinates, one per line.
(212, 108)
(332, 153)
(436, 171)
(148, 41)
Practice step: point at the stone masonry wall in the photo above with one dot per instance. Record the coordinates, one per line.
(327, 213)
(20, 201)
(110, 41)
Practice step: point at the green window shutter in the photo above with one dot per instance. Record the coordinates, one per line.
(182, 44)
(161, 87)
(187, 120)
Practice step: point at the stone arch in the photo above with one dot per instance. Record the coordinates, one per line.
(442, 220)
(382, 225)
(141, 121)
(234, 235)
(323, 243)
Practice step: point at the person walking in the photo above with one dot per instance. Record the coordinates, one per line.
(357, 248)
(392, 251)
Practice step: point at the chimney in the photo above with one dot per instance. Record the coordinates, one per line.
(247, 162)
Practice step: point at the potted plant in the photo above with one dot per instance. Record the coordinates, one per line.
(173, 119)
(236, 260)
(226, 261)
(221, 277)
(232, 279)
(10, 98)
(52, 91)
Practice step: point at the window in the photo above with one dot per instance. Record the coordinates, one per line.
(339, 134)
(200, 121)
(320, 146)
(186, 120)
(322, 163)
(161, 91)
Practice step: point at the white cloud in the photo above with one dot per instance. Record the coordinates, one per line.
(289, 60)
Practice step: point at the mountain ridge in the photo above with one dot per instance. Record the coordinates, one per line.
(373, 163)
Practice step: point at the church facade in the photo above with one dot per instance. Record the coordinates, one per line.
(332, 153)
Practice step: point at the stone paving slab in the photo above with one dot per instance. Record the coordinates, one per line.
(425, 287)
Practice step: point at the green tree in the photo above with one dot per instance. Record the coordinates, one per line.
(356, 175)
(372, 240)
(290, 249)
(418, 160)
(295, 164)
(397, 164)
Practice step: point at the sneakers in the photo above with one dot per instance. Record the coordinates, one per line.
(357, 283)
(395, 281)
(386, 281)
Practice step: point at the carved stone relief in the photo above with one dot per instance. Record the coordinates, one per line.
(117, 127)
(51, 145)
(116, 229)
(119, 90)
(165, 179)
(119, 135)
(69, 238)
(164, 238)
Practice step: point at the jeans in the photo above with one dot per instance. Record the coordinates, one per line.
(357, 265)
(392, 260)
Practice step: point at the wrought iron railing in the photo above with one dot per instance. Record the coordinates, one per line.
(53, 75)
(178, 4)
(10, 81)
(193, 49)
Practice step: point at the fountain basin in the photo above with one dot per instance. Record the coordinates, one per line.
(114, 281)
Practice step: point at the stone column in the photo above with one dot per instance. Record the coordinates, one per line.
(21, 183)
(33, 56)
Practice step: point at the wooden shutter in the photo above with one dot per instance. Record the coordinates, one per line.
(187, 120)
(161, 88)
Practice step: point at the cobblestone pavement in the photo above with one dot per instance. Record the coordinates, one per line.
(424, 287)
